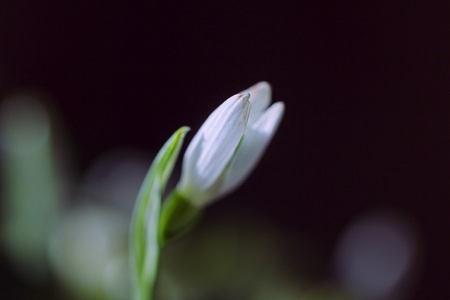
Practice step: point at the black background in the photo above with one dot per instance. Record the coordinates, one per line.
(366, 88)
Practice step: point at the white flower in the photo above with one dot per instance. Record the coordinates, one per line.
(229, 145)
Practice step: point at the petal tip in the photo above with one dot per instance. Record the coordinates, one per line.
(278, 109)
(280, 105)
(244, 96)
(261, 86)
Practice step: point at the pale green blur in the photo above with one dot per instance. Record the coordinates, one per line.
(33, 184)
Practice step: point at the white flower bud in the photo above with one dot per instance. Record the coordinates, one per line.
(229, 145)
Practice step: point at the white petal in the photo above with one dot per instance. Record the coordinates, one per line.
(256, 138)
(215, 142)
(260, 95)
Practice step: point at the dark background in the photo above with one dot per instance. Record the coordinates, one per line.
(366, 88)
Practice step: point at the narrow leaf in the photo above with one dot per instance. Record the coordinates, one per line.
(144, 245)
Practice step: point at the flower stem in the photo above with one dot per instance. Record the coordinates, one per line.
(177, 217)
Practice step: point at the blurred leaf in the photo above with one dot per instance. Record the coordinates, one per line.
(33, 182)
(88, 253)
(145, 248)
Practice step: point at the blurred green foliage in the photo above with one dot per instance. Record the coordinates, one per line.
(33, 183)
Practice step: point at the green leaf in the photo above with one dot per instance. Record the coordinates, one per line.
(144, 244)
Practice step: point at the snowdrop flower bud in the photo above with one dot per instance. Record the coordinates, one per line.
(229, 145)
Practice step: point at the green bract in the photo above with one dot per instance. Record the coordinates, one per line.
(144, 244)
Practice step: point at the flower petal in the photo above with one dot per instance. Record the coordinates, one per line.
(260, 95)
(215, 143)
(256, 138)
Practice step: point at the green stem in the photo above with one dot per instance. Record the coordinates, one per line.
(147, 291)
(177, 217)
